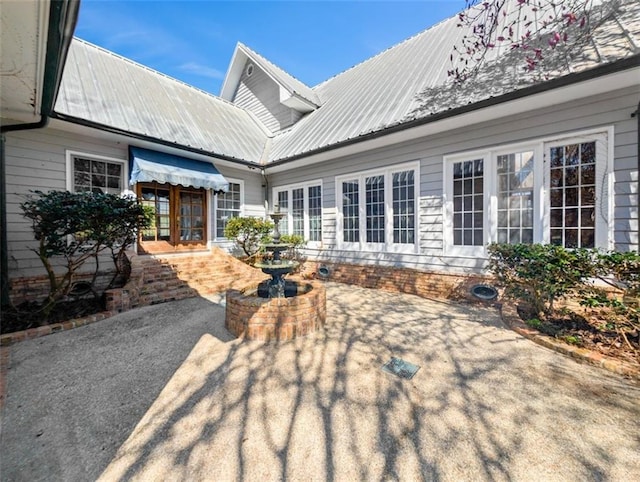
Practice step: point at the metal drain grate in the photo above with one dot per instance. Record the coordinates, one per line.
(401, 368)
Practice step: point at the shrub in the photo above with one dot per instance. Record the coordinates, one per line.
(622, 271)
(539, 273)
(248, 233)
(77, 227)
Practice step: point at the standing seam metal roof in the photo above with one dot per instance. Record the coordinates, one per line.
(399, 84)
(106, 89)
(402, 84)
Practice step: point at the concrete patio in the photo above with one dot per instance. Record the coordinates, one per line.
(165, 393)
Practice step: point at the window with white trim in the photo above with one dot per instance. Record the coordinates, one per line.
(546, 191)
(302, 204)
(377, 210)
(228, 205)
(93, 173)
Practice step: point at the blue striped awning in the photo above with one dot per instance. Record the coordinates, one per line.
(154, 166)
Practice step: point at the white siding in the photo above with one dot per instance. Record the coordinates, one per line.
(260, 94)
(613, 109)
(36, 160)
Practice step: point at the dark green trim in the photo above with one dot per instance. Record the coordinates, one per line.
(4, 258)
(63, 16)
(155, 140)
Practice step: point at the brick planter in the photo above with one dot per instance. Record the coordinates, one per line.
(254, 318)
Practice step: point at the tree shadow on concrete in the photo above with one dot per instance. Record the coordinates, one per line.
(485, 404)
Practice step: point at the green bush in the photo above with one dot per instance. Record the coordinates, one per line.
(539, 274)
(622, 271)
(77, 227)
(248, 233)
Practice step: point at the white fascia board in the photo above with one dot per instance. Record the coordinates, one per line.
(234, 72)
(589, 88)
(297, 102)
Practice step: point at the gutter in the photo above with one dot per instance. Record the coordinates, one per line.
(143, 137)
(63, 16)
(621, 65)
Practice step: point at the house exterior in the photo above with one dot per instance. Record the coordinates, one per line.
(385, 164)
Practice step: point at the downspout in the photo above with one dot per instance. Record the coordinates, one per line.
(62, 23)
(636, 114)
(265, 184)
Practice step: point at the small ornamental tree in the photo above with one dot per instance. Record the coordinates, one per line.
(535, 28)
(76, 228)
(248, 233)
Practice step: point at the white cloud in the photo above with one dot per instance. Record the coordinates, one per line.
(201, 70)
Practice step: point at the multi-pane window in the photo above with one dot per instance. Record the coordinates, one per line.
(374, 205)
(157, 199)
(283, 205)
(468, 203)
(403, 207)
(178, 217)
(315, 213)
(302, 205)
(228, 206)
(546, 191)
(351, 211)
(191, 219)
(572, 194)
(378, 209)
(515, 197)
(97, 175)
(297, 211)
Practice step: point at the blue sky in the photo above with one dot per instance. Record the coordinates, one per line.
(193, 40)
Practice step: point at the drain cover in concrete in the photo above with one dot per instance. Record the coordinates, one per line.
(401, 368)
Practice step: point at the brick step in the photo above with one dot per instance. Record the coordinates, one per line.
(167, 295)
(161, 285)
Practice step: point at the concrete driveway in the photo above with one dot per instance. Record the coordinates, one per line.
(165, 393)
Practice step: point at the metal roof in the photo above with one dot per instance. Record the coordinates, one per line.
(103, 88)
(290, 83)
(399, 84)
(403, 84)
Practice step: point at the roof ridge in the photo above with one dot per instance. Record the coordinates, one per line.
(402, 42)
(155, 72)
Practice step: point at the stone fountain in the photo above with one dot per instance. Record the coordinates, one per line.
(275, 266)
(277, 309)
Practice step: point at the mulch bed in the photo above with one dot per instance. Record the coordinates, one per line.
(599, 330)
(28, 315)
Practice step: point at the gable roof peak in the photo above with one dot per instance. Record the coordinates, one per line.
(299, 95)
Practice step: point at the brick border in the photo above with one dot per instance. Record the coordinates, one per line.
(11, 338)
(511, 318)
(250, 317)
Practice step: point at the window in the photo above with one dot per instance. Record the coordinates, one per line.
(404, 207)
(515, 197)
(315, 213)
(351, 211)
(545, 192)
(572, 194)
(179, 217)
(468, 202)
(303, 205)
(95, 173)
(228, 206)
(378, 210)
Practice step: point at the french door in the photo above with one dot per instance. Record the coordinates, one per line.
(179, 218)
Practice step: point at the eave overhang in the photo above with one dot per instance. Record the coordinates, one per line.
(616, 75)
